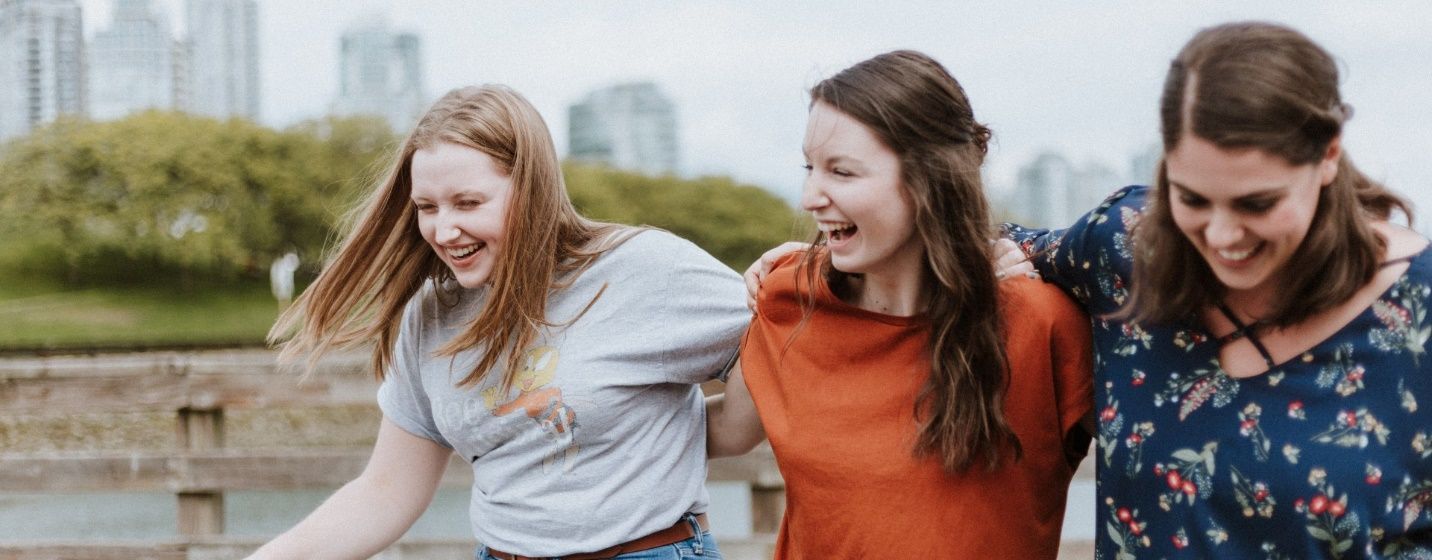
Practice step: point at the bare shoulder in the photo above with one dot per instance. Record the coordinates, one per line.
(1401, 241)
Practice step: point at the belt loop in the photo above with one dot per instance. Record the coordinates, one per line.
(697, 546)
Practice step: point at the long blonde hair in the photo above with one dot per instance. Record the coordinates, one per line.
(359, 297)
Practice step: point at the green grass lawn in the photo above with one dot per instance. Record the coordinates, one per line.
(43, 315)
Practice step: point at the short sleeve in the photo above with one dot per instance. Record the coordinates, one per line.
(402, 396)
(1071, 349)
(703, 315)
(1090, 259)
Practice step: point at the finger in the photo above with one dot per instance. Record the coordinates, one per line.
(753, 286)
(769, 258)
(1022, 268)
(1007, 251)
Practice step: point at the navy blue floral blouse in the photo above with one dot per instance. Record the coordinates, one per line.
(1327, 455)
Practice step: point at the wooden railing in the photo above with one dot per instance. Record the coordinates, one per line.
(199, 388)
(198, 469)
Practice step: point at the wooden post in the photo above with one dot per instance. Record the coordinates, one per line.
(201, 512)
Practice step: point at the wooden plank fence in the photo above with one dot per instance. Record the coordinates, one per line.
(198, 388)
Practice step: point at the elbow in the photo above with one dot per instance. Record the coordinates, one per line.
(723, 440)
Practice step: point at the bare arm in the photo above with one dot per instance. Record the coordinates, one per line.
(732, 425)
(369, 513)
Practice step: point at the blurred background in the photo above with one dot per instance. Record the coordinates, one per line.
(169, 169)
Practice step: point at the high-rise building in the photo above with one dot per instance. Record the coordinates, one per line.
(223, 58)
(1145, 164)
(42, 70)
(628, 126)
(1051, 192)
(183, 75)
(132, 62)
(1092, 184)
(381, 74)
(1044, 192)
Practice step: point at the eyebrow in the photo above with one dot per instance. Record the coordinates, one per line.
(835, 159)
(460, 194)
(1270, 191)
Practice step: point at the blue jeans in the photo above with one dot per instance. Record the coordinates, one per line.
(694, 548)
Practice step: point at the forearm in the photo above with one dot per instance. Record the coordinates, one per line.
(371, 512)
(358, 521)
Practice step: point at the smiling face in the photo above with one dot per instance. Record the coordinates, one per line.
(461, 197)
(853, 192)
(1245, 211)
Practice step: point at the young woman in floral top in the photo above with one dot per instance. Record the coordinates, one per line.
(1263, 384)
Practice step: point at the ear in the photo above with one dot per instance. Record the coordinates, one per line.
(1328, 166)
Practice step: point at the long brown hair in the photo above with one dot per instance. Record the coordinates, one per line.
(1267, 87)
(922, 114)
(359, 297)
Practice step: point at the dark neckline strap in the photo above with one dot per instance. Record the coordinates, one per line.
(1241, 330)
(1406, 259)
(1245, 331)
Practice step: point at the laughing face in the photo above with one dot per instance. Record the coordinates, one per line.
(1246, 211)
(461, 196)
(853, 192)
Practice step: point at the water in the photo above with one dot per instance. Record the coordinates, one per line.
(145, 516)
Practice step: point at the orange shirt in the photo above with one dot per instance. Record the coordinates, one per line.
(838, 408)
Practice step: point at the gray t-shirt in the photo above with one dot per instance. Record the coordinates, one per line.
(602, 438)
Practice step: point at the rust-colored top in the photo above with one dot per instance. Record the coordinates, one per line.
(838, 407)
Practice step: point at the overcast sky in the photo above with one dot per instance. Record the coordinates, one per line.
(1079, 78)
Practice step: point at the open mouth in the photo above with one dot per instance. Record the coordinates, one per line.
(838, 232)
(463, 255)
(1239, 256)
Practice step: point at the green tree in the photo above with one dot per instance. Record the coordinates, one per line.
(734, 222)
(162, 194)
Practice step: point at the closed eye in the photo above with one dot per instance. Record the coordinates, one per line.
(468, 204)
(1256, 206)
(1192, 200)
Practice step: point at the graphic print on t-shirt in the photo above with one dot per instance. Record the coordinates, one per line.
(542, 403)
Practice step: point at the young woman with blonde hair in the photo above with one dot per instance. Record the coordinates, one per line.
(557, 355)
(917, 406)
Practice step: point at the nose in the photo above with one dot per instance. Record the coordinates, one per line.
(446, 229)
(1224, 229)
(812, 195)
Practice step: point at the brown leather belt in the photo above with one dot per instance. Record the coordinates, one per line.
(673, 534)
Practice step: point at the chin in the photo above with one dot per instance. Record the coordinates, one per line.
(471, 281)
(846, 267)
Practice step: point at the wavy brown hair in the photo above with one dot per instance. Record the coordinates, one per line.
(359, 297)
(1266, 87)
(922, 114)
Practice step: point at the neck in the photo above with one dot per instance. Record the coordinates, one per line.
(895, 292)
(1250, 305)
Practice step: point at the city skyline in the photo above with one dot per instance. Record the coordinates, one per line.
(132, 63)
(381, 73)
(42, 61)
(629, 126)
(1079, 80)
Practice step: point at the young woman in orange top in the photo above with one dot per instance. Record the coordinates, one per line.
(917, 406)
